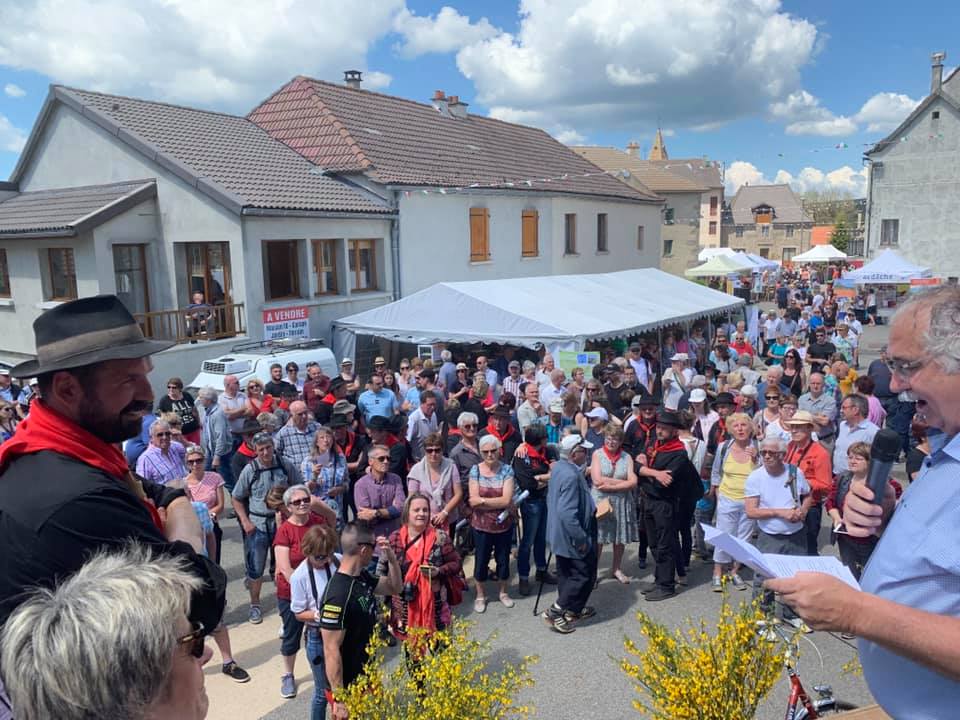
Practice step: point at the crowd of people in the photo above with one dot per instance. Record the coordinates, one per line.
(347, 488)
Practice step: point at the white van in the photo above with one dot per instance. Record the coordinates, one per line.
(253, 360)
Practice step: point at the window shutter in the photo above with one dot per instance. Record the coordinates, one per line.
(529, 229)
(479, 234)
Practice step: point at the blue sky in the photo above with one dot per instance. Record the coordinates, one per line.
(771, 89)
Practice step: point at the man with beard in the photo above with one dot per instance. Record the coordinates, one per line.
(640, 429)
(65, 488)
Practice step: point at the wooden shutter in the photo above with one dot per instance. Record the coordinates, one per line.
(530, 229)
(479, 234)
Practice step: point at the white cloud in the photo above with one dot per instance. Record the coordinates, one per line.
(12, 139)
(844, 179)
(604, 63)
(829, 127)
(376, 80)
(885, 111)
(216, 53)
(14, 91)
(569, 136)
(806, 116)
(446, 32)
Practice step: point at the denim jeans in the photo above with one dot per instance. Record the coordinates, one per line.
(256, 547)
(534, 514)
(318, 709)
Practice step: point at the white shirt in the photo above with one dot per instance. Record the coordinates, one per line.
(301, 594)
(548, 392)
(674, 391)
(233, 403)
(642, 368)
(775, 492)
(847, 436)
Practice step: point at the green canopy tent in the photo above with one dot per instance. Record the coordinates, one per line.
(719, 265)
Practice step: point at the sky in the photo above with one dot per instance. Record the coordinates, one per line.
(790, 91)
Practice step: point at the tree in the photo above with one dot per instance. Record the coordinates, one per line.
(840, 236)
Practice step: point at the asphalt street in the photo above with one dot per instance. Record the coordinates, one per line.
(577, 677)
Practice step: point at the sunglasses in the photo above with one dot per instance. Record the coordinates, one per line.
(380, 458)
(770, 452)
(173, 387)
(492, 451)
(469, 427)
(164, 434)
(195, 461)
(772, 397)
(254, 387)
(300, 501)
(432, 450)
(194, 640)
(404, 367)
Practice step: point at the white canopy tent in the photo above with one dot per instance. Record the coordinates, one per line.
(762, 262)
(820, 254)
(561, 312)
(888, 268)
(711, 252)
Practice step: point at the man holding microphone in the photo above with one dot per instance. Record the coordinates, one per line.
(907, 615)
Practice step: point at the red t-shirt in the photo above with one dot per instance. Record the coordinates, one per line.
(290, 535)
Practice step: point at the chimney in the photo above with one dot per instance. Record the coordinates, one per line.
(936, 71)
(633, 148)
(457, 109)
(439, 102)
(352, 78)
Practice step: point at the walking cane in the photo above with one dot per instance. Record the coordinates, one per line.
(536, 605)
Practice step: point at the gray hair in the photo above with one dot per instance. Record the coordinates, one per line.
(293, 490)
(863, 405)
(207, 392)
(446, 355)
(941, 339)
(467, 418)
(68, 650)
(774, 442)
(775, 370)
(268, 420)
(528, 366)
(489, 441)
(158, 425)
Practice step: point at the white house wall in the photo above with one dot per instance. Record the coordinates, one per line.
(324, 309)
(920, 186)
(435, 237)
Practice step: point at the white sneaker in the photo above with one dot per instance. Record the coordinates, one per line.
(738, 582)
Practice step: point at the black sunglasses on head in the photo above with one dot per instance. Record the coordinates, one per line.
(194, 640)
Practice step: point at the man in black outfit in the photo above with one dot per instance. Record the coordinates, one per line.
(65, 489)
(278, 387)
(820, 350)
(349, 608)
(665, 480)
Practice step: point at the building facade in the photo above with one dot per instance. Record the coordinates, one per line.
(769, 221)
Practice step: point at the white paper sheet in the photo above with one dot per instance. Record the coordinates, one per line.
(774, 566)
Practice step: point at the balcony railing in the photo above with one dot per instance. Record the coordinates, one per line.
(193, 324)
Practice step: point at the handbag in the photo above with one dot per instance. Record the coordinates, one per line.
(604, 508)
(456, 585)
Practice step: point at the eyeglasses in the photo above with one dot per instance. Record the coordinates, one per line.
(470, 426)
(380, 458)
(195, 461)
(194, 639)
(491, 451)
(300, 501)
(253, 387)
(404, 367)
(772, 397)
(164, 434)
(432, 450)
(173, 387)
(905, 369)
(770, 453)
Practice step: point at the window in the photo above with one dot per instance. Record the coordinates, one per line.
(281, 269)
(668, 216)
(764, 231)
(714, 202)
(363, 265)
(4, 275)
(640, 238)
(325, 266)
(570, 234)
(889, 232)
(601, 232)
(935, 115)
(479, 234)
(713, 227)
(530, 233)
(62, 274)
(788, 253)
(738, 231)
(667, 248)
(789, 231)
(765, 253)
(130, 277)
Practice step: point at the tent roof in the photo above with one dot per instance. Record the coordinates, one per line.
(534, 310)
(762, 261)
(887, 267)
(820, 253)
(718, 265)
(709, 252)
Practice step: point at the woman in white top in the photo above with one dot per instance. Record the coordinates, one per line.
(307, 585)
(704, 415)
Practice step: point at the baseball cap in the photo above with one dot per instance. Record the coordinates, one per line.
(513, 364)
(556, 405)
(572, 442)
(598, 412)
(4, 371)
(698, 395)
(698, 381)
(679, 357)
(749, 390)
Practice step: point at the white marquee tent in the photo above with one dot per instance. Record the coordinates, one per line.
(561, 312)
(711, 252)
(886, 269)
(820, 254)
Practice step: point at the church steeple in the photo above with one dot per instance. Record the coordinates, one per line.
(659, 150)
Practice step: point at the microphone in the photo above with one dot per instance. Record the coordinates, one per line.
(884, 452)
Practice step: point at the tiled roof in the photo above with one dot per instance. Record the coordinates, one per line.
(702, 171)
(643, 171)
(396, 141)
(785, 203)
(229, 155)
(68, 211)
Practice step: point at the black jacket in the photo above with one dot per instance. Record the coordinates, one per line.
(686, 480)
(56, 511)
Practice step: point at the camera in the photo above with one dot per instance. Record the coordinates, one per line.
(408, 592)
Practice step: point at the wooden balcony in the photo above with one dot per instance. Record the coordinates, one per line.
(194, 324)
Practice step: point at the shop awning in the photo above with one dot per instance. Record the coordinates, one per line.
(887, 268)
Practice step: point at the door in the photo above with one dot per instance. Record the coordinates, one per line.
(130, 276)
(208, 272)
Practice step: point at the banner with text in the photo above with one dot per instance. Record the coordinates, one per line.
(569, 360)
(291, 322)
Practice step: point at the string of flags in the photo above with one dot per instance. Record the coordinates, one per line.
(521, 183)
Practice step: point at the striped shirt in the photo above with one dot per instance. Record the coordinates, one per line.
(293, 444)
(161, 468)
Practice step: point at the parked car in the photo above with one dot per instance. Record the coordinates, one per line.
(253, 360)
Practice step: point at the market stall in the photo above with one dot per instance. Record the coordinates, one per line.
(891, 275)
(560, 312)
(820, 254)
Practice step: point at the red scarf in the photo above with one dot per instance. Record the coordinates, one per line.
(668, 446)
(351, 439)
(535, 455)
(329, 399)
(390, 440)
(246, 450)
(420, 610)
(46, 429)
(492, 429)
(611, 457)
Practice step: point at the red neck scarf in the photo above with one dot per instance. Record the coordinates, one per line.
(246, 450)
(665, 447)
(534, 454)
(420, 610)
(348, 448)
(46, 429)
(492, 429)
(610, 456)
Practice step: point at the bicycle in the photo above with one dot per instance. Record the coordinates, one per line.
(799, 704)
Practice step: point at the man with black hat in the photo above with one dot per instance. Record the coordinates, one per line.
(666, 479)
(246, 453)
(640, 429)
(500, 426)
(65, 488)
(725, 404)
(324, 409)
